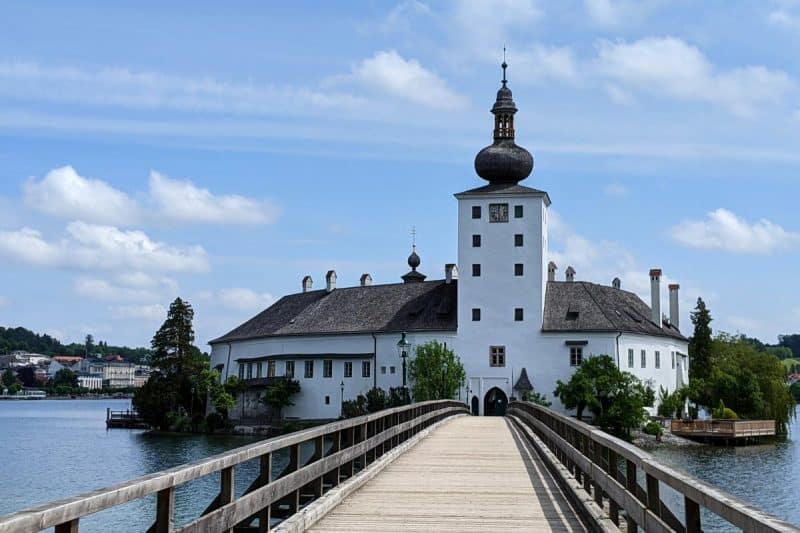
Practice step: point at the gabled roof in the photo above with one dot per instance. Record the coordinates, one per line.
(423, 306)
(523, 383)
(582, 306)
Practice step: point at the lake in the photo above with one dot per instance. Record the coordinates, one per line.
(53, 449)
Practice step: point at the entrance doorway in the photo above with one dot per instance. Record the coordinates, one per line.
(475, 406)
(494, 403)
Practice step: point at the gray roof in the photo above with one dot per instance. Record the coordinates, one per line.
(505, 189)
(580, 306)
(424, 306)
(523, 383)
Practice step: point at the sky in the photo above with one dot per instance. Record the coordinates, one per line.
(220, 152)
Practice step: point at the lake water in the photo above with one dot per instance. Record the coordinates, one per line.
(56, 449)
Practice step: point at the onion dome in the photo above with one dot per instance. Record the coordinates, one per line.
(414, 261)
(503, 161)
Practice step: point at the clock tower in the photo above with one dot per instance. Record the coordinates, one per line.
(502, 260)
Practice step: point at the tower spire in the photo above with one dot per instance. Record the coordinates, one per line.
(504, 65)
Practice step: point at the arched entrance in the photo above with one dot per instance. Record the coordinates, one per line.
(494, 403)
(475, 406)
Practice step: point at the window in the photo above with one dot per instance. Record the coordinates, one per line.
(392, 370)
(497, 356)
(518, 239)
(518, 314)
(383, 370)
(258, 370)
(575, 355)
(271, 369)
(249, 370)
(476, 241)
(348, 369)
(476, 211)
(673, 360)
(644, 358)
(241, 370)
(289, 373)
(517, 211)
(366, 369)
(630, 357)
(309, 370)
(476, 315)
(327, 400)
(658, 359)
(518, 268)
(476, 271)
(327, 368)
(498, 212)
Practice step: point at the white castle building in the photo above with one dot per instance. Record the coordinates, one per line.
(512, 323)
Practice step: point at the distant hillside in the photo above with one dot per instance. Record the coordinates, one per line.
(24, 339)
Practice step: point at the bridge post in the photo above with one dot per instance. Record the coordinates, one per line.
(68, 527)
(265, 478)
(226, 489)
(631, 485)
(653, 498)
(613, 470)
(598, 461)
(692, 518)
(165, 508)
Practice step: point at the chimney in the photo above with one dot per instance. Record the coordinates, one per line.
(570, 274)
(551, 271)
(307, 283)
(674, 309)
(330, 280)
(450, 272)
(616, 283)
(655, 295)
(366, 280)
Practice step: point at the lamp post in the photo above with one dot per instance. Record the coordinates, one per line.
(403, 347)
(444, 381)
(341, 403)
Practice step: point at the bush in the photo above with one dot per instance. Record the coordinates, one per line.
(398, 396)
(724, 413)
(653, 428)
(376, 400)
(215, 421)
(354, 408)
(290, 427)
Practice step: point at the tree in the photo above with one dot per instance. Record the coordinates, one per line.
(535, 397)
(616, 399)
(700, 343)
(9, 378)
(27, 376)
(65, 378)
(89, 345)
(279, 394)
(173, 348)
(436, 372)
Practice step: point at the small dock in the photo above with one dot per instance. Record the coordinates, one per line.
(125, 420)
(723, 430)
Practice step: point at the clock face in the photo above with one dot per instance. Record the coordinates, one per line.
(498, 212)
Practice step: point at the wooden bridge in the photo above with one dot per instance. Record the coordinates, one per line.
(428, 467)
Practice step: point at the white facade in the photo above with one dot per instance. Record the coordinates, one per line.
(91, 382)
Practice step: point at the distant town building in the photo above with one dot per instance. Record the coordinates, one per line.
(91, 382)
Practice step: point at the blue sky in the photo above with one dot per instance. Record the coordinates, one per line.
(220, 153)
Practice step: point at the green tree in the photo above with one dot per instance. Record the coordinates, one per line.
(9, 378)
(279, 394)
(88, 345)
(436, 372)
(65, 378)
(795, 391)
(616, 399)
(173, 348)
(700, 343)
(535, 397)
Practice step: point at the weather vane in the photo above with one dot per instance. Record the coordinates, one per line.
(414, 236)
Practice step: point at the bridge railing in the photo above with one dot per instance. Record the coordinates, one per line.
(340, 449)
(607, 469)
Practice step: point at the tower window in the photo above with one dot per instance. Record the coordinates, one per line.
(476, 270)
(476, 315)
(309, 370)
(630, 357)
(518, 314)
(476, 241)
(518, 269)
(497, 356)
(658, 359)
(644, 358)
(517, 211)
(476, 211)
(327, 400)
(365, 369)
(348, 369)
(518, 239)
(575, 355)
(289, 372)
(383, 370)
(327, 368)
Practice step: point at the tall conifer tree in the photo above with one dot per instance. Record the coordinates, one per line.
(700, 342)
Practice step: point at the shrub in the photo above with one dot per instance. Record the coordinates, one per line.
(398, 396)
(290, 427)
(653, 428)
(354, 408)
(376, 400)
(724, 413)
(214, 422)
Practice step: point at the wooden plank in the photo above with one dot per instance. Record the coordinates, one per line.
(165, 510)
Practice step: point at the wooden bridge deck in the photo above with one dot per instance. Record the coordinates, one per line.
(471, 474)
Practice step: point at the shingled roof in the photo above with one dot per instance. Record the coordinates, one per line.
(583, 306)
(425, 306)
(505, 188)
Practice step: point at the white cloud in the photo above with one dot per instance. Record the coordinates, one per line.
(147, 312)
(540, 63)
(617, 95)
(671, 67)
(615, 189)
(92, 246)
(182, 200)
(724, 230)
(407, 79)
(136, 286)
(615, 13)
(121, 87)
(65, 193)
(480, 27)
(784, 19)
(401, 16)
(244, 299)
(602, 12)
